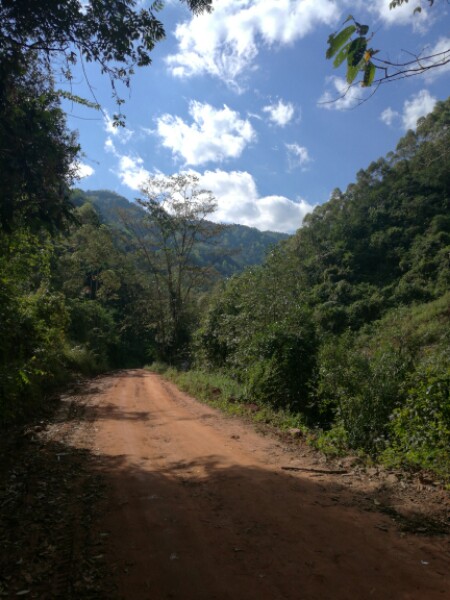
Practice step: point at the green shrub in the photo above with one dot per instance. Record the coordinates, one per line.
(92, 325)
(359, 387)
(281, 367)
(421, 427)
(333, 442)
(158, 367)
(82, 360)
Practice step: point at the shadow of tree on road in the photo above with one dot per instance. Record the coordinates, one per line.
(76, 524)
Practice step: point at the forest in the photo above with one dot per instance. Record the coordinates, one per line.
(342, 329)
(343, 326)
(347, 322)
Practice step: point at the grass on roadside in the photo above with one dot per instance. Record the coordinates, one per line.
(223, 392)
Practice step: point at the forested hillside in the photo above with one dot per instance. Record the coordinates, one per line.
(345, 325)
(83, 297)
(235, 247)
(348, 322)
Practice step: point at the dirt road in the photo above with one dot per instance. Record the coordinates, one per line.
(199, 507)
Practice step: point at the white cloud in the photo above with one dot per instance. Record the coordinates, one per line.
(298, 156)
(402, 15)
(122, 134)
(239, 202)
(342, 97)
(236, 194)
(418, 106)
(82, 170)
(226, 42)
(214, 134)
(441, 53)
(388, 116)
(131, 172)
(280, 113)
(109, 146)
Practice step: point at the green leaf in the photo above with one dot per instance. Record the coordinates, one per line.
(341, 56)
(369, 74)
(356, 51)
(338, 40)
(77, 99)
(352, 72)
(363, 29)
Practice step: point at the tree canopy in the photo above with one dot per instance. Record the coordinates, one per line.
(175, 223)
(116, 34)
(36, 149)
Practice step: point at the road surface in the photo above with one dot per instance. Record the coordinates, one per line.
(200, 508)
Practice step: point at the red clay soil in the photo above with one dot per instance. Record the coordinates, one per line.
(199, 507)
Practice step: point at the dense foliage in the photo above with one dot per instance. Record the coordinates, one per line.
(88, 298)
(36, 150)
(344, 326)
(70, 300)
(348, 321)
(118, 35)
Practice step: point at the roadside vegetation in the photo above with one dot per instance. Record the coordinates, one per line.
(346, 325)
(343, 329)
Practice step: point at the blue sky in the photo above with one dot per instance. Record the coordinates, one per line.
(240, 97)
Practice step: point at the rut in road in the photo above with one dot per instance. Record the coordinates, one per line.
(200, 509)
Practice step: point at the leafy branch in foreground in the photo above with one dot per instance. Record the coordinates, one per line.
(112, 33)
(352, 46)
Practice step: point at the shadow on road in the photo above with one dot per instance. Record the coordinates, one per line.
(75, 524)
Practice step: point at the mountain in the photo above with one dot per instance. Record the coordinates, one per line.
(236, 248)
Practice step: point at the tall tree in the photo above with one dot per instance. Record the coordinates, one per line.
(176, 222)
(36, 149)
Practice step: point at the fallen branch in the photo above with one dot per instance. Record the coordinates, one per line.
(332, 472)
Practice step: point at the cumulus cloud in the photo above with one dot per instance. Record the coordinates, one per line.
(82, 170)
(280, 113)
(439, 55)
(226, 42)
(388, 116)
(239, 202)
(130, 168)
(109, 146)
(298, 156)
(341, 96)
(131, 172)
(213, 135)
(236, 194)
(418, 106)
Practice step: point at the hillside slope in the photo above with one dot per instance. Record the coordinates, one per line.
(236, 248)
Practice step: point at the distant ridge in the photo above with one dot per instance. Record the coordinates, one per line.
(238, 246)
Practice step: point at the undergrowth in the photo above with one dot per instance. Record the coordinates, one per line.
(223, 392)
(404, 450)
